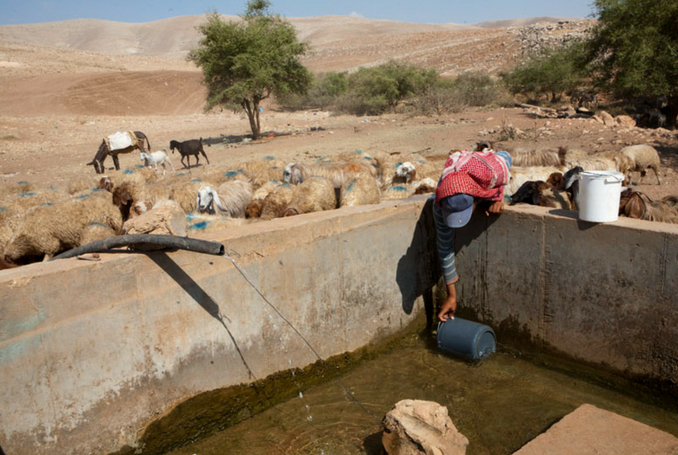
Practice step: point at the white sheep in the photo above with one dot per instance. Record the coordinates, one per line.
(539, 157)
(360, 190)
(276, 202)
(643, 157)
(336, 173)
(313, 195)
(47, 230)
(230, 199)
(155, 158)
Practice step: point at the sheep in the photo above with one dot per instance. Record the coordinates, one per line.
(187, 149)
(539, 157)
(634, 204)
(426, 185)
(399, 191)
(202, 223)
(313, 195)
(231, 199)
(360, 190)
(96, 231)
(185, 194)
(155, 158)
(624, 163)
(276, 202)
(127, 197)
(336, 173)
(408, 172)
(257, 203)
(593, 163)
(48, 230)
(643, 157)
(20, 187)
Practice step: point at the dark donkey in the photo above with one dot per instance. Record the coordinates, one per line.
(188, 149)
(104, 151)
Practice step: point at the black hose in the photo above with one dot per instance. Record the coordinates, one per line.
(169, 241)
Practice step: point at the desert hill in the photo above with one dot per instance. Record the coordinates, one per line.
(89, 66)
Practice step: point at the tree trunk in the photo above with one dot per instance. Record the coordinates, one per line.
(252, 110)
(672, 113)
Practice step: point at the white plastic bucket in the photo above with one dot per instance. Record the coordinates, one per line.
(599, 194)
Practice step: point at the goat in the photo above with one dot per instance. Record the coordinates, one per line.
(634, 204)
(155, 158)
(542, 194)
(187, 149)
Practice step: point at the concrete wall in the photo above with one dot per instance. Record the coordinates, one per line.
(90, 352)
(603, 293)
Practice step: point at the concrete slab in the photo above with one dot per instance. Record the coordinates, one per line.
(590, 430)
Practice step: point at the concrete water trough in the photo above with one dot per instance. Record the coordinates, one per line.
(92, 353)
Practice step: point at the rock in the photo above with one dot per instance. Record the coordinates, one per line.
(608, 120)
(625, 120)
(597, 119)
(415, 427)
(165, 218)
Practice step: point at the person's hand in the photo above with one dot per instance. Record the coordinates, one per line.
(496, 208)
(448, 309)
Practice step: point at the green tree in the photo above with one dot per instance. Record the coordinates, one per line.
(245, 62)
(553, 72)
(634, 49)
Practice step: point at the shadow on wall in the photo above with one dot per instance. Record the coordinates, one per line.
(199, 295)
(419, 269)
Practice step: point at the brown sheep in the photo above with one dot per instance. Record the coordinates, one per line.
(313, 195)
(277, 201)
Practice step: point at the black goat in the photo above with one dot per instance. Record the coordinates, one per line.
(189, 148)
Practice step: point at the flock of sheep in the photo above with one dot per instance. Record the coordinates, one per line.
(35, 225)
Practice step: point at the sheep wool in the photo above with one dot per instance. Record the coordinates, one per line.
(360, 190)
(643, 157)
(314, 195)
(277, 201)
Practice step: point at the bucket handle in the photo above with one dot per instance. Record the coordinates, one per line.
(605, 177)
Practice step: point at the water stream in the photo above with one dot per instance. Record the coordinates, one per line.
(499, 404)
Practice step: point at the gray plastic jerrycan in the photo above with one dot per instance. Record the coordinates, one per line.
(467, 339)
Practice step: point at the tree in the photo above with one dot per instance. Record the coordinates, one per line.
(634, 49)
(553, 71)
(246, 62)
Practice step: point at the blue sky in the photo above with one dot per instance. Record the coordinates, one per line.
(423, 11)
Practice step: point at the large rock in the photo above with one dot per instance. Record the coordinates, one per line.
(607, 118)
(167, 218)
(626, 121)
(415, 427)
(590, 430)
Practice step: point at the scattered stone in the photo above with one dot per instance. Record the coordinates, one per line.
(415, 427)
(625, 120)
(596, 118)
(607, 119)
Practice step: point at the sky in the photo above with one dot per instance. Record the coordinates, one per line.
(422, 11)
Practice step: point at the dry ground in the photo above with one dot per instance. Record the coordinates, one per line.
(64, 86)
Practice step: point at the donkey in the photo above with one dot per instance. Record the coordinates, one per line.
(104, 151)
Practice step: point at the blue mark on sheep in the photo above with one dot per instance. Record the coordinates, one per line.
(275, 181)
(275, 167)
(84, 196)
(53, 188)
(196, 181)
(139, 166)
(286, 185)
(181, 174)
(97, 224)
(269, 158)
(23, 182)
(190, 216)
(397, 164)
(421, 162)
(2, 209)
(26, 194)
(128, 171)
(95, 190)
(368, 158)
(230, 173)
(398, 188)
(198, 226)
(350, 186)
(46, 204)
(359, 152)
